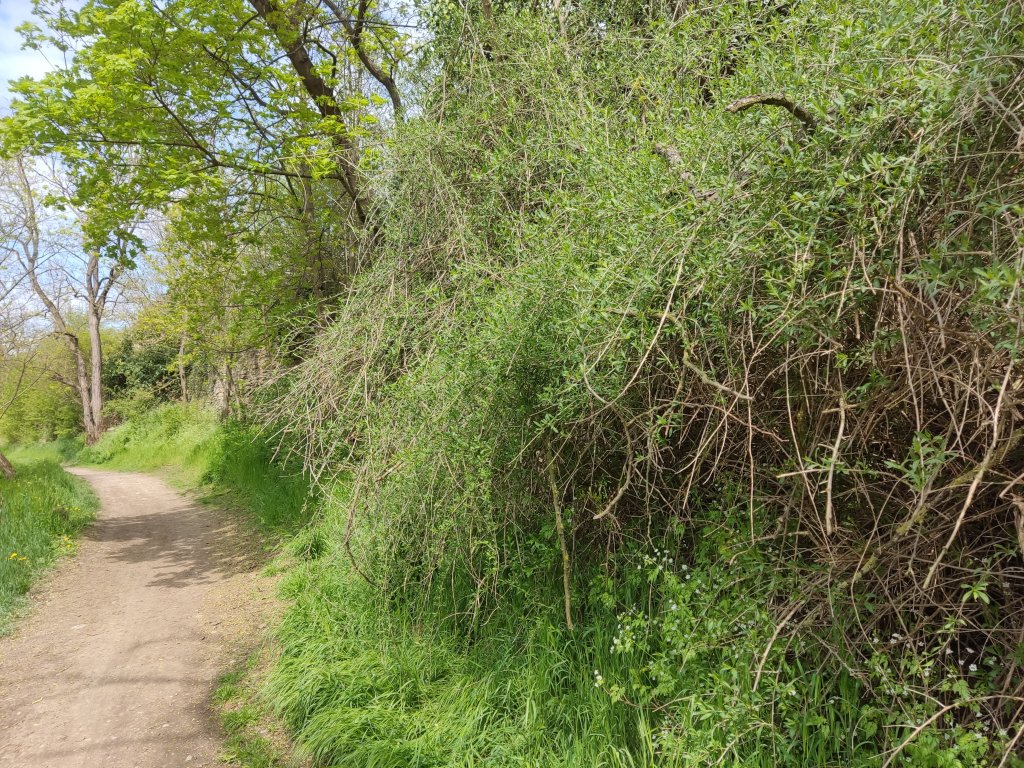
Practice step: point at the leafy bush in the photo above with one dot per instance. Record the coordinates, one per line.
(139, 373)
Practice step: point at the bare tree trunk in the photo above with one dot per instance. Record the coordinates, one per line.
(181, 368)
(84, 388)
(96, 375)
(6, 468)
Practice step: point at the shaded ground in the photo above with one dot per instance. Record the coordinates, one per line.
(117, 662)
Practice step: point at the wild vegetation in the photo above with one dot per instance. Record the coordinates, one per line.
(653, 368)
(41, 511)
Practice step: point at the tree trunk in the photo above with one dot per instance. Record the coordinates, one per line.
(96, 378)
(6, 468)
(181, 369)
(560, 15)
(222, 390)
(84, 390)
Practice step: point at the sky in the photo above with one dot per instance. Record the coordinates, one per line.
(14, 62)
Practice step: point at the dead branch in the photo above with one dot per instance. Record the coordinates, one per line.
(775, 100)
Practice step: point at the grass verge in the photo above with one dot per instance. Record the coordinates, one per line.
(227, 461)
(254, 737)
(41, 510)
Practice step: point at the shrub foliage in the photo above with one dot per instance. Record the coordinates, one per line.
(689, 353)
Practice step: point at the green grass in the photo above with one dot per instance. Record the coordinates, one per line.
(41, 510)
(60, 451)
(244, 717)
(227, 460)
(658, 671)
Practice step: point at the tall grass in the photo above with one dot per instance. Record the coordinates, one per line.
(41, 510)
(660, 670)
(196, 449)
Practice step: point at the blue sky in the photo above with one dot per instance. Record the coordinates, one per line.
(15, 62)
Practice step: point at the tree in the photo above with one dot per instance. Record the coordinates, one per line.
(10, 324)
(64, 274)
(269, 112)
(272, 89)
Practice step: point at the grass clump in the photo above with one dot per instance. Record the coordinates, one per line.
(41, 510)
(246, 720)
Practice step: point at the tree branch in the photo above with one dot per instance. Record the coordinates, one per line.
(775, 100)
(354, 30)
(322, 95)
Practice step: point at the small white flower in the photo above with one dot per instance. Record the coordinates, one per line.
(973, 667)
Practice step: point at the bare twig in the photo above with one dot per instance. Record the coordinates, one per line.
(830, 514)
(982, 468)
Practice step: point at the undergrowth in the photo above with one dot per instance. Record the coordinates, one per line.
(42, 509)
(670, 426)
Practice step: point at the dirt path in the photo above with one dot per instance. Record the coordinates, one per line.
(117, 662)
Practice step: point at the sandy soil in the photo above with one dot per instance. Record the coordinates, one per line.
(117, 661)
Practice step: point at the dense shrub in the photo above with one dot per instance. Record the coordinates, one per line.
(746, 375)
